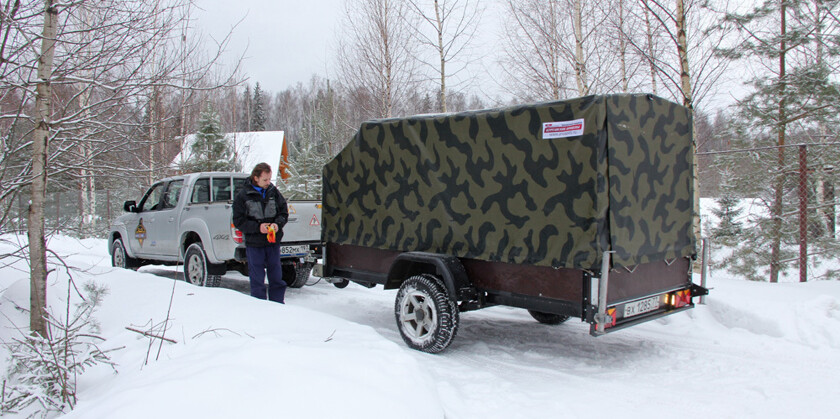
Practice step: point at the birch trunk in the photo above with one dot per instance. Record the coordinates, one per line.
(442, 54)
(40, 146)
(688, 101)
(622, 48)
(649, 33)
(580, 66)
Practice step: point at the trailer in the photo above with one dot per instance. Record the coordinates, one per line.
(576, 208)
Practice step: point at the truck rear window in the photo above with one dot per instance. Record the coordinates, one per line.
(201, 191)
(222, 190)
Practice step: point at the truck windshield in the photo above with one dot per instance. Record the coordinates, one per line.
(152, 199)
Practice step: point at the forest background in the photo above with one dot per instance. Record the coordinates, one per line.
(130, 80)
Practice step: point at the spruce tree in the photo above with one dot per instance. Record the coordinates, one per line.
(244, 111)
(258, 118)
(727, 212)
(211, 151)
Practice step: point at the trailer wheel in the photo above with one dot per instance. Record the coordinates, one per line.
(341, 284)
(195, 267)
(120, 258)
(426, 316)
(548, 318)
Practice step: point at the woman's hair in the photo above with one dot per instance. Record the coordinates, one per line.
(259, 169)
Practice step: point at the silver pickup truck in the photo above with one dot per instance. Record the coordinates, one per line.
(187, 220)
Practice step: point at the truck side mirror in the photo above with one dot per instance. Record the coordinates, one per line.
(130, 206)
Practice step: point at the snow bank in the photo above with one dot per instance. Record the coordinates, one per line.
(235, 356)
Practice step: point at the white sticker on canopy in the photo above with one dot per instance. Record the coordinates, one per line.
(562, 129)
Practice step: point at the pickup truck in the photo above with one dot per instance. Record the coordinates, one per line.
(187, 220)
(576, 208)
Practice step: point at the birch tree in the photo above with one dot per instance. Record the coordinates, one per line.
(80, 83)
(448, 27)
(40, 144)
(376, 56)
(555, 49)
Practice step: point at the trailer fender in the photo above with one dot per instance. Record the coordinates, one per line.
(448, 268)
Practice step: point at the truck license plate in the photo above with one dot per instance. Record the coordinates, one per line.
(300, 249)
(642, 306)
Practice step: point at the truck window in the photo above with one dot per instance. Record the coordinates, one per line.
(172, 194)
(151, 201)
(238, 183)
(201, 191)
(222, 189)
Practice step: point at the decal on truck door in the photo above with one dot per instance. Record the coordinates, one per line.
(140, 232)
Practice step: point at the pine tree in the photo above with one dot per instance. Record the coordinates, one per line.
(793, 91)
(258, 118)
(210, 151)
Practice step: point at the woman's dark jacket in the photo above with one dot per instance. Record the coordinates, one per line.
(250, 209)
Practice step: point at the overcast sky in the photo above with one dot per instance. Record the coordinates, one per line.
(285, 41)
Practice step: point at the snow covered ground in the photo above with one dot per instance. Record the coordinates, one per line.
(755, 350)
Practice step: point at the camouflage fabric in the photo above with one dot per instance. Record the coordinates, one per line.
(551, 184)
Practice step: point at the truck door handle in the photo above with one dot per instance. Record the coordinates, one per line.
(171, 219)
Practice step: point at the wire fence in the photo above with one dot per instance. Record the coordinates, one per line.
(774, 209)
(63, 212)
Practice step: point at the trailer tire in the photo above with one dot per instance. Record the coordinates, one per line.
(426, 317)
(547, 318)
(196, 267)
(341, 284)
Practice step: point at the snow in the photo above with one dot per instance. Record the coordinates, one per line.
(754, 350)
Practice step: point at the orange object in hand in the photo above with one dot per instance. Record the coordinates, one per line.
(271, 235)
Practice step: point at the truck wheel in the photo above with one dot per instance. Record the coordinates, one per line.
(302, 274)
(120, 258)
(195, 267)
(426, 316)
(548, 318)
(296, 276)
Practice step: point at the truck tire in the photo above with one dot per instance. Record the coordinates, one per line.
(426, 317)
(195, 267)
(120, 258)
(547, 318)
(296, 275)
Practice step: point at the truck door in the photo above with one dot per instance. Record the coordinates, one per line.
(138, 233)
(166, 224)
(161, 220)
(220, 230)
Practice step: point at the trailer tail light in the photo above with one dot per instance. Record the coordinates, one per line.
(237, 235)
(679, 299)
(611, 313)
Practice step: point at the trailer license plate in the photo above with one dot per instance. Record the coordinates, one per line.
(642, 306)
(300, 249)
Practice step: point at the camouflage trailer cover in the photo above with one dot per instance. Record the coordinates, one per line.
(550, 184)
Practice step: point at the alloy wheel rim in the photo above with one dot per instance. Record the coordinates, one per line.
(195, 270)
(417, 315)
(119, 257)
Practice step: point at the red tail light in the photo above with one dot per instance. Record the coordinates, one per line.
(237, 235)
(680, 298)
(611, 313)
